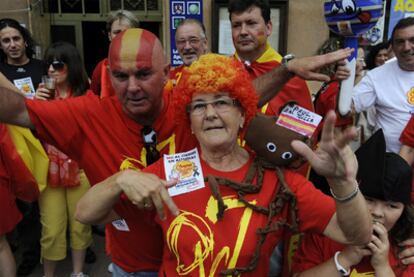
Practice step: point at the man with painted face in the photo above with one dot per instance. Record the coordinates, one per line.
(128, 131)
(250, 27)
(191, 42)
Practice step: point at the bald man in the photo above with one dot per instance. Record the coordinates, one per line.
(127, 131)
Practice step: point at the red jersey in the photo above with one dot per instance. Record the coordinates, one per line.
(175, 74)
(104, 140)
(407, 136)
(315, 249)
(100, 81)
(197, 244)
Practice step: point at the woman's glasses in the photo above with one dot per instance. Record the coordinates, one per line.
(57, 65)
(149, 136)
(221, 105)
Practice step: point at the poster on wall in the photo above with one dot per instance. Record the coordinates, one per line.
(399, 9)
(180, 10)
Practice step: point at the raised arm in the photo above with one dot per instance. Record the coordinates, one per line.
(144, 190)
(269, 84)
(12, 105)
(335, 160)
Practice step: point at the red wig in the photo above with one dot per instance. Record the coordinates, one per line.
(213, 73)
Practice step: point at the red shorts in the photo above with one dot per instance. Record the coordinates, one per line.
(9, 213)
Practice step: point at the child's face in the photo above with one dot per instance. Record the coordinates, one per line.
(385, 212)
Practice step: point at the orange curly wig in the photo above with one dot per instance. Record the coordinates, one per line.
(213, 73)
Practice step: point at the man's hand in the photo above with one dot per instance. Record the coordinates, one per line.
(147, 190)
(307, 68)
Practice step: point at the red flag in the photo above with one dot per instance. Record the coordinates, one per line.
(22, 182)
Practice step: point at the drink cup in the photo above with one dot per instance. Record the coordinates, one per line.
(50, 84)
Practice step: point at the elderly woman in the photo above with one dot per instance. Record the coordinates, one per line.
(210, 229)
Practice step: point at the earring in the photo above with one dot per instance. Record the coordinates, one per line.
(241, 125)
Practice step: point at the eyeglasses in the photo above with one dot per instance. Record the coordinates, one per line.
(56, 64)
(191, 41)
(149, 136)
(221, 105)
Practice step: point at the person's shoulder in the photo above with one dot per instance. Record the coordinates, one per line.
(386, 68)
(36, 64)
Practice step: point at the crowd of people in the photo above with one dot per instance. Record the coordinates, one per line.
(158, 156)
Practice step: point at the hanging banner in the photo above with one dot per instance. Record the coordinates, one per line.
(180, 10)
(399, 9)
(376, 34)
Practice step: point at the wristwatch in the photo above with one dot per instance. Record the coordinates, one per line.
(285, 61)
(339, 267)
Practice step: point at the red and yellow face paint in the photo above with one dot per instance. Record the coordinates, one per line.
(261, 38)
(132, 49)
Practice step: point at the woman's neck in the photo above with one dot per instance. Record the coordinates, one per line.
(63, 90)
(225, 160)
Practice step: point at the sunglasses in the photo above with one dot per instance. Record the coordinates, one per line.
(149, 136)
(57, 65)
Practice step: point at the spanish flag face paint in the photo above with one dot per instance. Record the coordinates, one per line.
(133, 49)
(250, 33)
(138, 73)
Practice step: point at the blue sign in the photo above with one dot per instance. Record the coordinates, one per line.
(399, 10)
(180, 10)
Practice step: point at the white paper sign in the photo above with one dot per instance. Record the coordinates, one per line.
(26, 86)
(186, 168)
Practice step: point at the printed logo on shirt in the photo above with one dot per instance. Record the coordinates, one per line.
(26, 86)
(206, 247)
(120, 225)
(410, 96)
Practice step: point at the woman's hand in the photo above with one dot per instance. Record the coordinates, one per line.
(147, 190)
(43, 93)
(379, 247)
(333, 159)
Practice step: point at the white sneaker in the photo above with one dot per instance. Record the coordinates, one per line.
(79, 275)
(111, 267)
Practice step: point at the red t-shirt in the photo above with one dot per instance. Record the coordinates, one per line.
(327, 101)
(231, 242)
(9, 215)
(315, 249)
(103, 140)
(407, 136)
(175, 74)
(96, 77)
